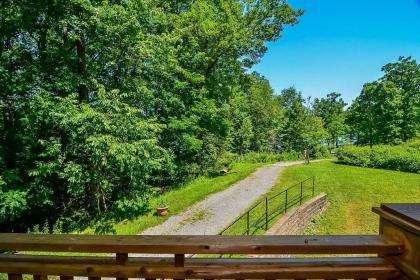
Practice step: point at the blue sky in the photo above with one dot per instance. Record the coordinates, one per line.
(339, 45)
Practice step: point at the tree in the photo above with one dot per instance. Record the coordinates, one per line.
(375, 115)
(387, 110)
(103, 101)
(331, 110)
(294, 111)
(302, 130)
(405, 74)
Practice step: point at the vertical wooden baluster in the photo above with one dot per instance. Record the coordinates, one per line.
(121, 259)
(40, 277)
(66, 277)
(12, 276)
(179, 261)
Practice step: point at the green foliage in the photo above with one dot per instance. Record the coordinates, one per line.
(388, 110)
(405, 157)
(179, 200)
(104, 101)
(331, 110)
(301, 129)
(269, 157)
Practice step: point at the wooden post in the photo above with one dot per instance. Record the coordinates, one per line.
(121, 259)
(12, 276)
(179, 261)
(400, 222)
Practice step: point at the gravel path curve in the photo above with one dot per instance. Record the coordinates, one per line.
(213, 214)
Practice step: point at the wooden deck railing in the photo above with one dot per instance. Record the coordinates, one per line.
(394, 253)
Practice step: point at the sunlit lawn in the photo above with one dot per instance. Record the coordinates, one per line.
(352, 192)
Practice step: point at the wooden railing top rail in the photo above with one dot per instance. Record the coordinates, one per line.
(321, 244)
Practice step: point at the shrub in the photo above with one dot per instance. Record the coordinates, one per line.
(405, 157)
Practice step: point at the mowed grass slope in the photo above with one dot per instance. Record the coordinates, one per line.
(352, 192)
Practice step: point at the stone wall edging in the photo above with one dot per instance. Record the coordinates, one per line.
(296, 220)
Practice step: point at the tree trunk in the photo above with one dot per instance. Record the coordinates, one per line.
(81, 67)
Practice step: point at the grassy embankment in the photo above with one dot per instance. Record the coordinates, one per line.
(179, 200)
(352, 191)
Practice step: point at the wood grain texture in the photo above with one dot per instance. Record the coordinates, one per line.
(210, 268)
(292, 244)
(406, 211)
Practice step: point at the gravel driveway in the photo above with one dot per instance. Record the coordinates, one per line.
(213, 214)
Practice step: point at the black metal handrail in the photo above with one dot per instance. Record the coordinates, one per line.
(267, 216)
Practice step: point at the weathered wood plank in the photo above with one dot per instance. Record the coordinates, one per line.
(214, 268)
(303, 272)
(397, 220)
(406, 211)
(147, 261)
(326, 244)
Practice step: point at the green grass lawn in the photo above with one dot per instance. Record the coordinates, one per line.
(352, 192)
(179, 200)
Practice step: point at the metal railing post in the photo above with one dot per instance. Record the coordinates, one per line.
(247, 223)
(313, 186)
(301, 192)
(285, 203)
(266, 213)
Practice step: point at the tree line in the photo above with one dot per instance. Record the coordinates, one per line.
(107, 103)
(388, 110)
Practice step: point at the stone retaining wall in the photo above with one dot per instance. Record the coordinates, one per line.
(297, 219)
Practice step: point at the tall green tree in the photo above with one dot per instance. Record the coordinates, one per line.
(332, 111)
(375, 115)
(405, 74)
(388, 110)
(302, 129)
